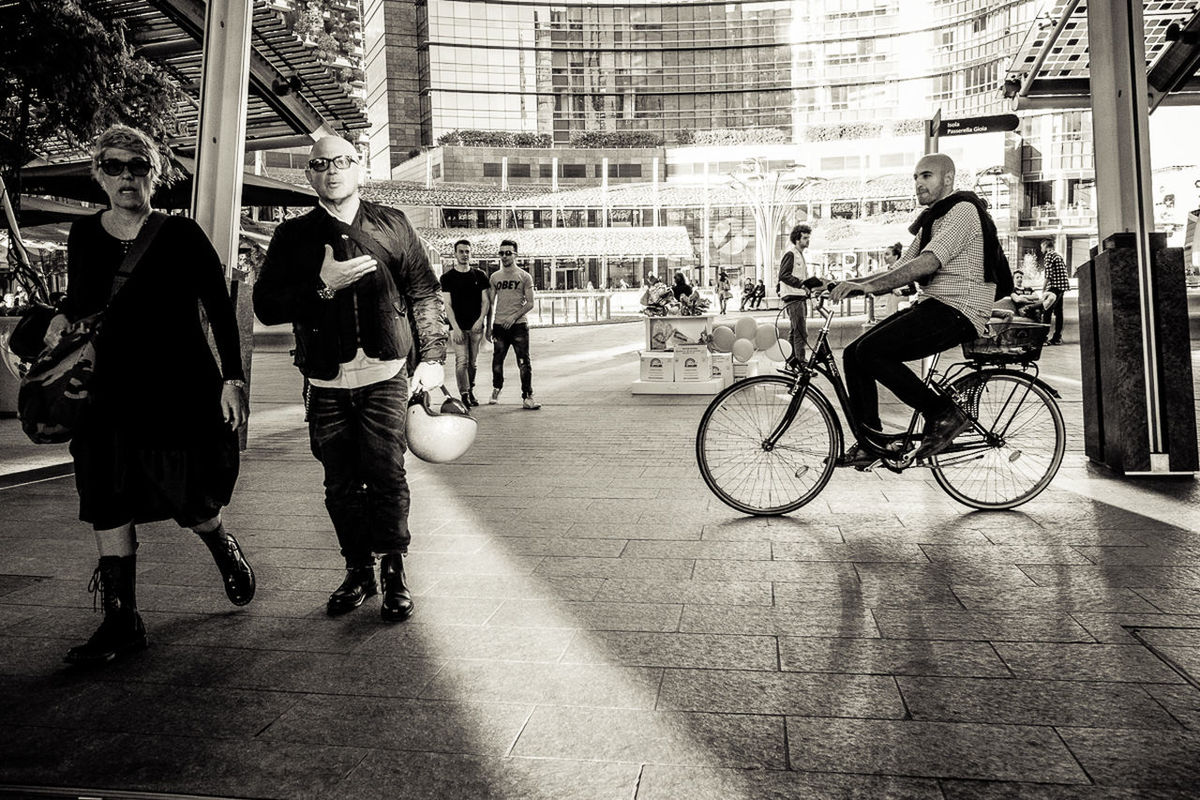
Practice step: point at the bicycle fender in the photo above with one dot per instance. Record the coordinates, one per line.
(1035, 379)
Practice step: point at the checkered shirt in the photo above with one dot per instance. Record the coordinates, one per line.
(957, 241)
(1057, 278)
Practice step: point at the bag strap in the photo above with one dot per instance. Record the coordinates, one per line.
(141, 244)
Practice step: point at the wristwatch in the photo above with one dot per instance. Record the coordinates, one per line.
(325, 293)
(441, 362)
(241, 384)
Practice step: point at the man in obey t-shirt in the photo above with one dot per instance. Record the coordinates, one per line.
(512, 293)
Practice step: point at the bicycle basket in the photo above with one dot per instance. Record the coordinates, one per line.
(1008, 341)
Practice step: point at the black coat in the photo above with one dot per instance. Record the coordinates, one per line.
(371, 314)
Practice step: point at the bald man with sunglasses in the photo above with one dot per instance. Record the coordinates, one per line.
(348, 275)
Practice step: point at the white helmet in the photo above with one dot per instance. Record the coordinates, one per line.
(439, 436)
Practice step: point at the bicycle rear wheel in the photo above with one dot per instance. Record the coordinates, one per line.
(1020, 453)
(741, 471)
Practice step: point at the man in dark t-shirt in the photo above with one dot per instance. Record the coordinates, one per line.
(467, 295)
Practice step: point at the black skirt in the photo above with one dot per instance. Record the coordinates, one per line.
(121, 478)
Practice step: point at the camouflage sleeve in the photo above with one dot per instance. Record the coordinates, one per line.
(423, 291)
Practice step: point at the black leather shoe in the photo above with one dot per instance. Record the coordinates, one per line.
(122, 631)
(474, 400)
(397, 603)
(236, 574)
(856, 457)
(357, 587)
(941, 433)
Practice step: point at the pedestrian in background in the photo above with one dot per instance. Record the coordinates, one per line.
(1058, 281)
(793, 270)
(760, 294)
(347, 275)
(466, 294)
(512, 296)
(747, 294)
(724, 290)
(161, 441)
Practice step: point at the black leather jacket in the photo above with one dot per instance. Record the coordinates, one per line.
(371, 314)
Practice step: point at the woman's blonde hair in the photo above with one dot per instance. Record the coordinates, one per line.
(133, 140)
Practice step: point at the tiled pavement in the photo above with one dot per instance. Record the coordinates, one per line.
(593, 624)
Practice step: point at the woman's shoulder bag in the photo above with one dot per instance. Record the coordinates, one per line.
(56, 391)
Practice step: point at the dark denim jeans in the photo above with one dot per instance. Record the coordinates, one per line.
(1058, 312)
(465, 354)
(797, 312)
(358, 435)
(879, 354)
(516, 336)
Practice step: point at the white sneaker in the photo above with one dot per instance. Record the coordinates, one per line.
(530, 404)
(495, 397)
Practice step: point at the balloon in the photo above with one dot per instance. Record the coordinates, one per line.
(743, 350)
(765, 336)
(723, 338)
(784, 326)
(745, 328)
(780, 351)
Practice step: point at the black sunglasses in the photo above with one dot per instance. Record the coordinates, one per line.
(138, 167)
(322, 164)
(507, 253)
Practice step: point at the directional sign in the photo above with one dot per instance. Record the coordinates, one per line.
(993, 124)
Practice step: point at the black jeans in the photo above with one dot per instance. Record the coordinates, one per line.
(517, 337)
(797, 312)
(358, 436)
(879, 354)
(1056, 311)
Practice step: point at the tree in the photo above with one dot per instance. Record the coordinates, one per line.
(65, 77)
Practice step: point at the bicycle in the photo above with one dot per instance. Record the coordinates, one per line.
(768, 445)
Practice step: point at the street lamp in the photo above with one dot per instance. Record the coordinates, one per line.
(770, 195)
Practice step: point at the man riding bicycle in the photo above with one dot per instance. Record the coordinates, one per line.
(947, 256)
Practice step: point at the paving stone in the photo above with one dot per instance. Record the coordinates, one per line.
(790, 693)
(336, 673)
(401, 724)
(857, 552)
(742, 532)
(678, 531)
(1182, 701)
(1006, 790)
(1159, 759)
(1172, 631)
(245, 767)
(729, 651)
(546, 684)
(890, 657)
(1102, 575)
(736, 593)
(931, 749)
(1032, 702)
(1150, 556)
(1128, 663)
(503, 587)
(948, 573)
(896, 623)
(1117, 628)
(413, 639)
(893, 535)
(1003, 554)
(869, 594)
(737, 551)
(1063, 537)
(1037, 598)
(653, 737)
(593, 615)
(648, 568)
(795, 571)
(556, 546)
(1172, 601)
(793, 621)
(670, 783)
(455, 775)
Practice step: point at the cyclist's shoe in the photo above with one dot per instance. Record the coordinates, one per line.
(856, 457)
(941, 433)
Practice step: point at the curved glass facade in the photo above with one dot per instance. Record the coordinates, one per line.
(668, 68)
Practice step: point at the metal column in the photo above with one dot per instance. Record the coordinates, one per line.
(1121, 132)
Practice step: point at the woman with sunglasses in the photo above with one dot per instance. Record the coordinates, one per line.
(161, 441)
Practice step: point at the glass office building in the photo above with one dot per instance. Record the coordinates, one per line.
(674, 68)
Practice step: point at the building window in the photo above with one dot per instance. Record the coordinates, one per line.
(491, 170)
(573, 170)
(629, 170)
(545, 170)
(518, 171)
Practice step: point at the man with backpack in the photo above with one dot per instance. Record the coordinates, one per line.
(956, 256)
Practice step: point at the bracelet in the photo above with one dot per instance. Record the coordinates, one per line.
(325, 293)
(239, 383)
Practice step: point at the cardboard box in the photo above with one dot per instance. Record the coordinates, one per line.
(658, 367)
(722, 367)
(747, 370)
(693, 362)
(664, 333)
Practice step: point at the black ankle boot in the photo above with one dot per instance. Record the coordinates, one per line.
(236, 574)
(357, 587)
(397, 603)
(122, 630)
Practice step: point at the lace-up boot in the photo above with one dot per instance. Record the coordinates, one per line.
(122, 631)
(236, 574)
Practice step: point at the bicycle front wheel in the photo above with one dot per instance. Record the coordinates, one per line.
(1020, 452)
(751, 476)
